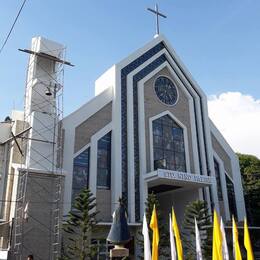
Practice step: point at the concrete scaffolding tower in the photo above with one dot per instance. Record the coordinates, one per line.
(38, 210)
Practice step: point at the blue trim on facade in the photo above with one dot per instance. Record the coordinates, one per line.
(203, 123)
(137, 77)
(202, 112)
(124, 72)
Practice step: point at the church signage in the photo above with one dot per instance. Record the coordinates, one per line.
(184, 176)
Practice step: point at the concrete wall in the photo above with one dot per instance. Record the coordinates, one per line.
(5, 129)
(8, 195)
(83, 134)
(106, 80)
(5, 133)
(4, 235)
(13, 157)
(178, 200)
(38, 229)
(19, 126)
(60, 146)
(217, 147)
(76, 126)
(230, 162)
(2, 160)
(4, 165)
(93, 124)
(103, 199)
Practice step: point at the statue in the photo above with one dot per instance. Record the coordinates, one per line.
(119, 234)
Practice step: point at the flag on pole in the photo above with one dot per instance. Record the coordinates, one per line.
(236, 248)
(25, 212)
(224, 241)
(247, 242)
(217, 239)
(147, 247)
(177, 236)
(173, 248)
(154, 227)
(198, 242)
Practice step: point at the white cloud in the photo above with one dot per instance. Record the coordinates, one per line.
(237, 116)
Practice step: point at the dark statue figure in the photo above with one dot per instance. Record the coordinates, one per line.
(119, 232)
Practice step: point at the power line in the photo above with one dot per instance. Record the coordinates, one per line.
(16, 18)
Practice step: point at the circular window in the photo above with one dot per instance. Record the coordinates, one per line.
(166, 90)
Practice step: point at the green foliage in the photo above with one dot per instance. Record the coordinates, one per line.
(164, 250)
(249, 164)
(80, 223)
(250, 171)
(197, 209)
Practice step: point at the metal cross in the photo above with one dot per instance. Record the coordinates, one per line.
(157, 17)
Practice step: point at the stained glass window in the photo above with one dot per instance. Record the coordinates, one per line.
(165, 90)
(168, 145)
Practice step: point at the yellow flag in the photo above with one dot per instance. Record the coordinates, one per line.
(177, 236)
(217, 239)
(247, 242)
(236, 248)
(154, 227)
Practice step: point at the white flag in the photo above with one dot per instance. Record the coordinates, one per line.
(25, 211)
(198, 243)
(224, 241)
(147, 248)
(173, 248)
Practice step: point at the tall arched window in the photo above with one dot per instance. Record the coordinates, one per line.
(168, 145)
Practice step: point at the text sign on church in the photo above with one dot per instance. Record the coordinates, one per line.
(184, 176)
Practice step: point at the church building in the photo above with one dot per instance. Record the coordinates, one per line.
(146, 130)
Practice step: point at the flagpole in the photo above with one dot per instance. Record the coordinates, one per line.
(247, 242)
(177, 236)
(147, 246)
(173, 247)
(217, 239)
(154, 227)
(224, 241)
(236, 247)
(198, 241)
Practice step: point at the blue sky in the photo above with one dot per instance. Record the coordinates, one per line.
(219, 42)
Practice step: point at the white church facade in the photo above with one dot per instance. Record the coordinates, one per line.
(154, 118)
(146, 130)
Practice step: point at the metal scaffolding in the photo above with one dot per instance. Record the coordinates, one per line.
(43, 113)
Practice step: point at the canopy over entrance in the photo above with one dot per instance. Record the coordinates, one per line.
(165, 180)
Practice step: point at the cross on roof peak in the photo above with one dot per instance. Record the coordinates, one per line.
(157, 13)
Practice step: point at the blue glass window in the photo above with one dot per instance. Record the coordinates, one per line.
(104, 162)
(168, 145)
(80, 172)
(231, 196)
(217, 175)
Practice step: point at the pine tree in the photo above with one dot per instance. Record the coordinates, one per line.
(163, 231)
(80, 224)
(197, 209)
